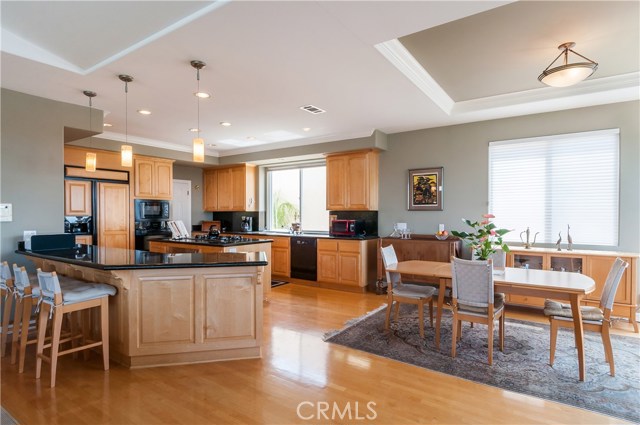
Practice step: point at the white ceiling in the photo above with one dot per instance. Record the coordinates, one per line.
(455, 62)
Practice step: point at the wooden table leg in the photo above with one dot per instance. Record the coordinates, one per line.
(441, 289)
(579, 333)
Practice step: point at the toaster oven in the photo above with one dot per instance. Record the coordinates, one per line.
(347, 228)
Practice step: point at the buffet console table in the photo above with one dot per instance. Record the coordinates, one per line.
(172, 308)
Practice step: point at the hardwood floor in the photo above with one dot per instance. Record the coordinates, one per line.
(298, 372)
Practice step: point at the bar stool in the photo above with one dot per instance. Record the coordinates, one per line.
(54, 302)
(6, 290)
(26, 296)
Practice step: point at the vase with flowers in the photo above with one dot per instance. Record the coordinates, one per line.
(485, 238)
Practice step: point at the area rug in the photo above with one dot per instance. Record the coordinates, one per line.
(523, 367)
(276, 283)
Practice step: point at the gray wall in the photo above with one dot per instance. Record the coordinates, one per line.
(463, 152)
(31, 170)
(194, 174)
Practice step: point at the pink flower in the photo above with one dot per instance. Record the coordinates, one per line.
(493, 232)
(485, 222)
(488, 216)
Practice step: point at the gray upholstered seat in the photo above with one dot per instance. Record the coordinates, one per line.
(398, 292)
(594, 318)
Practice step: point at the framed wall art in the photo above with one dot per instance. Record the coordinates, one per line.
(425, 189)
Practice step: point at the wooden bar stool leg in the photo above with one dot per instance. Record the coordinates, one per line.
(6, 316)
(24, 332)
(87, 316)
(104, 326)
(43, 318)
(17, 320)
(55, 343)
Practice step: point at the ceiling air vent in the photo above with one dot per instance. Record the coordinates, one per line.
(312, 109)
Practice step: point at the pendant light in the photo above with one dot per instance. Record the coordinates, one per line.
(126, 151)
(91, 157)
(198, 142)
(567, 74)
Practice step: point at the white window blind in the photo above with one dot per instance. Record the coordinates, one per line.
(547, 183)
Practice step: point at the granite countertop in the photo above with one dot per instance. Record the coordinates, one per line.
(215, 242)
(303, 235)
(125, 259)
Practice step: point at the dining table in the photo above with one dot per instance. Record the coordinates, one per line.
(557, 285)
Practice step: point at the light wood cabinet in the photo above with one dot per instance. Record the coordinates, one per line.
(352, 181)
(153, 178)
(84, 239)
(281, 256)
(113, 215)
(595, 264)
(230, 188)
(77, 197)
(348, 263)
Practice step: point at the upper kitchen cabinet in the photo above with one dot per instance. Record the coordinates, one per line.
(77, 197)
(230, 188)
(352, 181)
(153, 178)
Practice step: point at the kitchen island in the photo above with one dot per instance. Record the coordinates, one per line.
(172, 308)
(219, 244)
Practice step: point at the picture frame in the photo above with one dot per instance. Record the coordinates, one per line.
(425, 189)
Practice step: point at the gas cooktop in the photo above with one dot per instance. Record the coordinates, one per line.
(219, 239)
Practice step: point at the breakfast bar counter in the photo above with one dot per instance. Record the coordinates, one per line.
(172, 308)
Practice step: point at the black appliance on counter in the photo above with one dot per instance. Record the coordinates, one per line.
(304, 258)
(82, 224)
(149, 209)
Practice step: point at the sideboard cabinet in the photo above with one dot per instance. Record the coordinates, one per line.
(595, 264)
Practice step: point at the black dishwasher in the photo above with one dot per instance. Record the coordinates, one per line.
(304, 258)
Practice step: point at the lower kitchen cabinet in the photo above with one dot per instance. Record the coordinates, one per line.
(280, 256)
(347, 263)
(595, 264)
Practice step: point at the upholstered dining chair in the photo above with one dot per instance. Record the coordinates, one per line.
(474, 300)
(55, 302)
(6, 291)
(26, 296)
(597, 319)
(397, 292)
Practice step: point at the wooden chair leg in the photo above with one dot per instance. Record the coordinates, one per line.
(502, 331)
(55, 343)
(431, 311)
(397, 313)
(454, 335)
(104, 328)
(388, 319)
(17, 320)
(421, 319)
(553, 331)
(460, 329)
(43, 318)
(6, 316)
(490, 342)
(608, 349)
(24, 332)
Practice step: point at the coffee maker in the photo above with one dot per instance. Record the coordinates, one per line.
(246, 225)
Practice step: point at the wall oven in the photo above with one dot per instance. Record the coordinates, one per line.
(151, 210)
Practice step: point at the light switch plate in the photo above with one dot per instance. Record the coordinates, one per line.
(6, 212)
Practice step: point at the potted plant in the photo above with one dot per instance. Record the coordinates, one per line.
(485, 237)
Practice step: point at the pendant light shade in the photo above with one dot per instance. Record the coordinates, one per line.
(90, 160)
(126, 151)
(198, 142)
(126, 156)
(567, 74)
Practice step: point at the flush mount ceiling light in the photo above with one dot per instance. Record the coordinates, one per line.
(567, 74)
(198, 142)
(126, 151)
(91, 157)
(144, 112)
(225, 124)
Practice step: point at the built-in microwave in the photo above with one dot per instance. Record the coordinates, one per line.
(151, 210)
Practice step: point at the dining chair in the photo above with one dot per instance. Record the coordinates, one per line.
(26, 296)
(56, 302)
(6, 287)
(474, 300)
(397, 292)
(596, 319)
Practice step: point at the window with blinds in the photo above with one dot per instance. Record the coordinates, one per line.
(548, 183)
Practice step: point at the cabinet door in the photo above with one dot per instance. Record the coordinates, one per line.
(77, 197)
(225, 189)
(143, 178)
(328, 266)
(210, 196)
(336, 183)
(349, 268)
(113, 215)
(163, 179)
(238, 189)
(280, 259)
(357, 183)
(598, 269)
